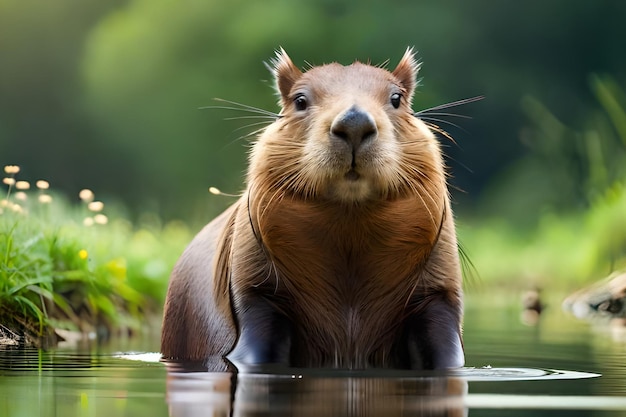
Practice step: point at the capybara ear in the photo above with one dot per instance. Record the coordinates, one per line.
(406, 72)
(285, 74)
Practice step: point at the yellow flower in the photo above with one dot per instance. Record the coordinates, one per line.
(11, 169)
(21, 195)
(43, 185)
(45, 199)
(217, 191)
(100, 219)
(8, 181)
(82, 254)
(22, 185)
(86, 195)
(117, 267)
(95, 206)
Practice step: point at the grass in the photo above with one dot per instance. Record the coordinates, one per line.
(69, 266)
(562, 252)
(557, 219)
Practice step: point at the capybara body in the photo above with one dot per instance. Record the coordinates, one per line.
(342, 250)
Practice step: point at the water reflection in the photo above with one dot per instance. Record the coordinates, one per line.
(65, 383)
(310, 394)
(194, 390)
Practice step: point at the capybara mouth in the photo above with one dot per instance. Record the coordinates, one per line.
(352, 175)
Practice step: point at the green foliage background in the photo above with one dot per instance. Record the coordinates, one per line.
(105, 94)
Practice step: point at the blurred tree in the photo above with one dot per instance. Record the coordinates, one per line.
(106, 94)
(150, 67)
(567, 169)
(43, 127)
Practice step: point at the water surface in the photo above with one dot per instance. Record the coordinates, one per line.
(558, 367)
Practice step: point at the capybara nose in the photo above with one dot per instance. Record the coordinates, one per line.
(354, 126)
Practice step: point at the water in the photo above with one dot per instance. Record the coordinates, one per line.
(558, 367)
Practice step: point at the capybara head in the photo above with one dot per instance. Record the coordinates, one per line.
(347, 134)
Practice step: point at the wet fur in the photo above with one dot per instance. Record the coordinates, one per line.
(309, 268)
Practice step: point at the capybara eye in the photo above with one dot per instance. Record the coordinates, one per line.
(300, 102)
(395, 100)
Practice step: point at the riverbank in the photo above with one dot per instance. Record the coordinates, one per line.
(78, 269)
